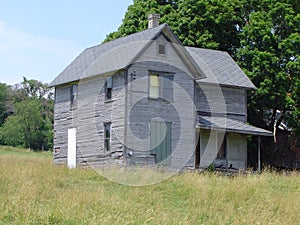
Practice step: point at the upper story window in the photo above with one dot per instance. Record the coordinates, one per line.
(154, 86)
(161, 86)
(73, 95)
(108, 88)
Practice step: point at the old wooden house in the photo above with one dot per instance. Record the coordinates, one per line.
(145, 99)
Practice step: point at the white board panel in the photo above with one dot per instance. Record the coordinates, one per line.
(72, 148)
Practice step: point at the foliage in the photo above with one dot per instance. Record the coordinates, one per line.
(136, 16)
(33, 191)
(270, 56)
(30, 120)
(27, 127)
(3, 101)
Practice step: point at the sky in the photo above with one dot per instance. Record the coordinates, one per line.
(40, 38)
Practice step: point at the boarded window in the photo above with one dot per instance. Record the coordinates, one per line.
(73, 95)
(107, 128)
(167, 87)
(161, 141)
(161, 86)
(108, 88)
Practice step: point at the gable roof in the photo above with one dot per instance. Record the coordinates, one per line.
(119, 54)
(219, 68)
(207, 66)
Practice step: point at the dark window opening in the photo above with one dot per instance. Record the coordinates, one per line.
(221, 146)
(107, 127)
(73, 95)
(108, 88)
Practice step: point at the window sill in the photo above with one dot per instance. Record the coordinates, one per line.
(160, 100)
(109, 100)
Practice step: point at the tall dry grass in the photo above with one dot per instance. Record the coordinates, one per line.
(33, 191)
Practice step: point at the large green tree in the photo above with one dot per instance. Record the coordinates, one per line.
(269, 54)
(199, 23)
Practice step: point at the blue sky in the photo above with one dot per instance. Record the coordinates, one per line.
(39, 38)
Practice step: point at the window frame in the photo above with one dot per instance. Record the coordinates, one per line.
(158, 86)
(106, 140)
(162, 78)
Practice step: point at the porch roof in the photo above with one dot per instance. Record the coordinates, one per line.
(229, 125)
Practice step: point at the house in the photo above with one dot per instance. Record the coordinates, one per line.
(145, 99)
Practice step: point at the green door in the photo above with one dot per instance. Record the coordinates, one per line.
(161, 141)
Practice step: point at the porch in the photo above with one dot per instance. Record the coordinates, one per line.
(222, 142)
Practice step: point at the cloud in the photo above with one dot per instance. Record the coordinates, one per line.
(16, 39)
(23, 53)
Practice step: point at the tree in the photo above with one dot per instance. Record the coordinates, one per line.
(135, 19)
(197, 23)
(27, 127)
(29, 117)
(3, 102)
(269, 54)
(34, 88)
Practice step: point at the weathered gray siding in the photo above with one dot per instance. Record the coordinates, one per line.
(180, 112)
(141, 110)
(211, 99)
(90, 112)
(62, 121)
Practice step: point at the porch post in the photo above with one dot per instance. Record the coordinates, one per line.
(226, 151)
(258, 155)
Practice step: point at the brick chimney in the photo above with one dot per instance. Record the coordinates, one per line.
(153, 20)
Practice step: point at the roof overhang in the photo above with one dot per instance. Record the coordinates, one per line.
(229, 125)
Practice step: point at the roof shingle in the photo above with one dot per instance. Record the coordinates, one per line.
(219, 68)
(107, 57)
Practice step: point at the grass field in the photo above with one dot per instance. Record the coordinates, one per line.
(33, 191)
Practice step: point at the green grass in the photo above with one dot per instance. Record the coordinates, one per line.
(8, 150)
(34, 191)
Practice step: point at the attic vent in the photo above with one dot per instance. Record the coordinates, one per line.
(153, 20)
(161, 49)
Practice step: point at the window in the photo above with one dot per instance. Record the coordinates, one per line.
(108, 87)
(161, 86)
(107, 127)
(154, 86)
(73, 95)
